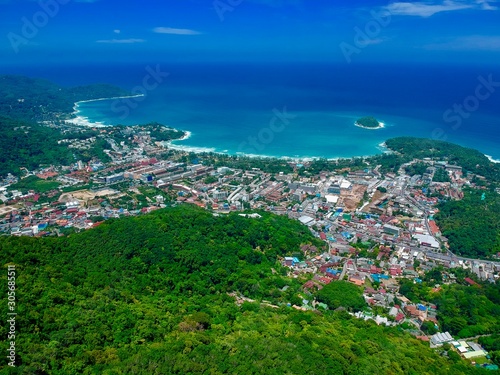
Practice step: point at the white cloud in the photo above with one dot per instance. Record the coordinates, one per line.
(468, 43)
(424, 9)
(121, 41)
(117, 31)
(428, 9)
(485, 4)
(171, 30)
(376, 41)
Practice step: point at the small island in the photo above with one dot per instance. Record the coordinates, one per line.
(369, 122)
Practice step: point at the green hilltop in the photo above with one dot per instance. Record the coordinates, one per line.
(34, 99)
(150, 295)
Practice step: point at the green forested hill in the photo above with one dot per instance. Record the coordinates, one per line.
(29, 145)
(471, 160)
(25, 101)
(463, 310)
(472, 225)
(31, 99)
(148, 295)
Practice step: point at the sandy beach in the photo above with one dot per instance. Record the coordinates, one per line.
(79, 120)
(187, 135)
(492, 160)
(381, 125)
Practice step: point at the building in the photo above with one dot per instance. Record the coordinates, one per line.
(288, 262)
(434, 228)
(453, 168)
(440, 338)
(308, 188)
(345, 185)
(334, 189)
(427, 240)
(146, 177)
(298, 195)
(306, 220)
(333, 199)
(357, 280)
(219, 195)
(223, 170)
(113, 178)
(391, 229)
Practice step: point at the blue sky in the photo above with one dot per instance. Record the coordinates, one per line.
(249, 30)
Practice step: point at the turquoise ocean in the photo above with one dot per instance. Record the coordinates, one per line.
(298, 110)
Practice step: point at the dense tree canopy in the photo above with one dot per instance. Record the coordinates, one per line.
(148, 295)
(368, 122)
(472, 225)
(463, 310)
(29, 145)
(342, 294)
(469, 159)
(33, 99)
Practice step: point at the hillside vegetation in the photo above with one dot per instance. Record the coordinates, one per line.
(472, 225)
(29, 145)
(463, 310)
(34, 99)
(368, 122)
(24, 143)
(469, 159)
(149, 295)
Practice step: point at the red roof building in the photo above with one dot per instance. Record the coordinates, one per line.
(471, 282)
(434, 228)
(325, 280)
(399, 317)
(412, 311)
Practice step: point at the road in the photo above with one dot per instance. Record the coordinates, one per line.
(475, 337)
(344, 269)
(449, 252)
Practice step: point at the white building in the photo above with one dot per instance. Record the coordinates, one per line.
(440, 338)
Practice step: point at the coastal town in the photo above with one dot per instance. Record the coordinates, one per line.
(378, 229)
(262, 187)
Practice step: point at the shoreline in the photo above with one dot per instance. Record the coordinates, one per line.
(85, 121)
(213, 150)
(490, 158)
(381, 125)
(78, 120)
(187, 134)
(110, 98)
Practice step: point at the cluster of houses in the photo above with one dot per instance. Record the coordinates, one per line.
(390, 215)
(467, 349)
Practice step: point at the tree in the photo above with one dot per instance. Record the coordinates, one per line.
(454, 356)
(428, 327)
(342, 294)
